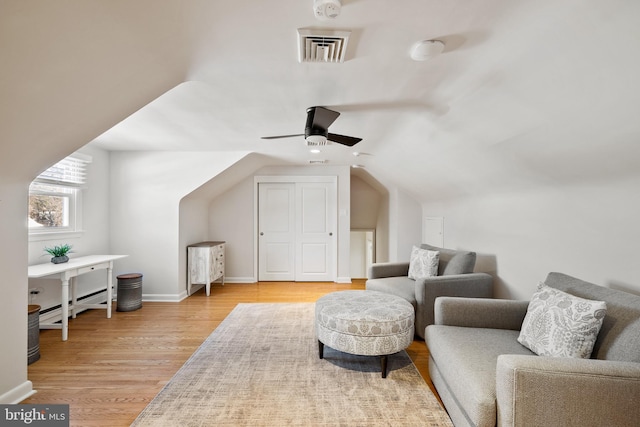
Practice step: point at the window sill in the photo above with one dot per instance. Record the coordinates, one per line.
(57, 235)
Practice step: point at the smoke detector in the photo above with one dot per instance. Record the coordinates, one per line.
(326, 9)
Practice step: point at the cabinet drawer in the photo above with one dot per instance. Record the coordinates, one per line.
(89, 269)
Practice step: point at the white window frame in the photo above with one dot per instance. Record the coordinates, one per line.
(68, 175)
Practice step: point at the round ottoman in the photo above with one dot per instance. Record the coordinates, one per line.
(366, 323)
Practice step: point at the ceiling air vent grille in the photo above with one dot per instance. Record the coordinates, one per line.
(318, 162)
(322, 45)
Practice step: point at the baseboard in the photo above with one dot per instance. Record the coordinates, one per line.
(54, 314)
(240, 280)
(254, 280)
(18, 394)
(165, 297)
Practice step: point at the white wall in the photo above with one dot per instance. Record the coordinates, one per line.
(230, 218)
(395, 215)
(365, 204)
(405, 225)
(13, 304)
(94, 238)
(146, 191)
(193, 226)
(15, 257)
(54, 100)
(383, 228)
(367, 208)
(230, 212)
(370, 206)
(589, 231)
(362, 256)
(408, 225)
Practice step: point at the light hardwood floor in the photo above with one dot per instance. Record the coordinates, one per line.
(109, 369)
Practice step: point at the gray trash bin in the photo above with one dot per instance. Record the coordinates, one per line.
(129, 292)
(33, 341)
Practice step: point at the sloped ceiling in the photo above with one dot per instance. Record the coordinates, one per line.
(526, 93)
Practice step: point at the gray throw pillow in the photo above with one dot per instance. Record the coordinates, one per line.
(423, 263)
(453, 261)
(559, 324)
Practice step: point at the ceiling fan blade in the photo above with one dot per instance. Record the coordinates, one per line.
(349, 141)
(281, 136)
(321, 117)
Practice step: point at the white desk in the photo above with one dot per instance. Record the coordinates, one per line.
(67, 273)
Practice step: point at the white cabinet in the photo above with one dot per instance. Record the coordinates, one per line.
(205, 264)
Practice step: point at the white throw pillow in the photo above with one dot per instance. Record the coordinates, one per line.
(423, 263)
(558, 324)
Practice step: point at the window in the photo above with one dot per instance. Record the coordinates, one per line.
(54, 197)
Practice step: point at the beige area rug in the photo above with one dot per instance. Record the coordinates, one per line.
(260, 367)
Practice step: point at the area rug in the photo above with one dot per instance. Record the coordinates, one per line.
(260, 367)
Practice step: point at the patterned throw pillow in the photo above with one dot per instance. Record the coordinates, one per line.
(423, 263)
(558, 324)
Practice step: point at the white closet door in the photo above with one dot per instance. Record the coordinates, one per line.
(276, 229)
(297, 224)
(316, 208)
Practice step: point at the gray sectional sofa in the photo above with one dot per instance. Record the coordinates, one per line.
(455, 278)
(485, 377)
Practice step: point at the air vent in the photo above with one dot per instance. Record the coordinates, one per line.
(317, 162)
(322, 45)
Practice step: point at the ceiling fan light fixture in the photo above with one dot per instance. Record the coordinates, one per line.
(426, 49)
(314, 140)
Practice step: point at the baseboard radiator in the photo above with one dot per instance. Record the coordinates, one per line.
(54, 314)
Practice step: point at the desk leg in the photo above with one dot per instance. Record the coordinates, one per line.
(65, 308)
(109, 288)
(74, 296)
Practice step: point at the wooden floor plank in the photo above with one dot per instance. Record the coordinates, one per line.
(110, 369)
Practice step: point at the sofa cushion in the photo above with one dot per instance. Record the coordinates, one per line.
(423, 263)
(453, 261)
(466, 359)
(559, 324)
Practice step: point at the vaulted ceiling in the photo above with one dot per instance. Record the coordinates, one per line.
(525, 93)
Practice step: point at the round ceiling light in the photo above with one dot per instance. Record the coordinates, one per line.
(426, 49)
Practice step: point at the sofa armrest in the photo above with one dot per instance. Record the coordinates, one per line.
(427, 289)
(546, 391)
(388, 269)
(480, 312)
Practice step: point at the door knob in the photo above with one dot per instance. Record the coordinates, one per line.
(261, 233)
(330, 234)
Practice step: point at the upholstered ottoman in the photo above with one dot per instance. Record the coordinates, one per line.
(366, 323)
